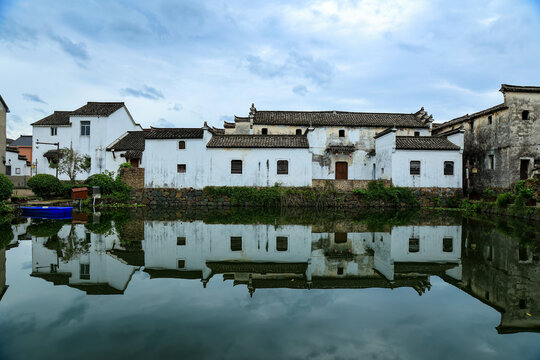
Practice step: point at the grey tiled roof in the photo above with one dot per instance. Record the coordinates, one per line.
(516, 88)
(424, 143)
(336, 118)
(23, 140)
(134, 140)
(58, 118)
(98, 108)
(491, 110)
(133, 154)
(175, 133)
(258, 141)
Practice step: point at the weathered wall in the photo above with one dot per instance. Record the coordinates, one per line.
(133, 177)
(344, 185)
(2, 138)
(19, 181)
(18, 167)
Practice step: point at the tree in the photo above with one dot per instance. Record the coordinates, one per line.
(71, 163)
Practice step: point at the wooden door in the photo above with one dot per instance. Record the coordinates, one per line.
(342, 170)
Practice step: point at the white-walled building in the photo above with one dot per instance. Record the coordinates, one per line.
(17, 164)
(89, 130)
(3, 118)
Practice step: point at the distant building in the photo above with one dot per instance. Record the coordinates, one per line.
(24, 145)
(3, 111)
(502, 143)
(88, 130)
(17, 164)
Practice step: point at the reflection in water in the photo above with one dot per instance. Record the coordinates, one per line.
(100, 258)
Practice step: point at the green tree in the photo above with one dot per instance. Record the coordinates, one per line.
(71, 163)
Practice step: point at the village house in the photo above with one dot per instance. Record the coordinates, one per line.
(24, 146)
(17, 165)
(89, 130)
(3, 111)
(502, 143)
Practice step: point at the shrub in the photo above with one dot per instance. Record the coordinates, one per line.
(504, 199)
(242, 195)
(110, 186)
(125, 165)
(488, 192)
(6, 188)
(45, 185)
(378, 191)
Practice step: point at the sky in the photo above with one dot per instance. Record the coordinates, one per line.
(180, 63)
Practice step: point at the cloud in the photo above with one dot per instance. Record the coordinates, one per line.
(163, 123)
(300, 90)
(41, 111)
(146, 92)
(34, 98)
(76, 50)
(176, 107)
(12, 118)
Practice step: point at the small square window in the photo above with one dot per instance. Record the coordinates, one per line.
(236, 243)
(448, 168)
(181, 168)
(54, 131)
(417, 133)
(414, 245)
(341, 133)
(17, 171)
(447, 244)
(181, 145)
(340, 237)
(84, 271)
(282, 243)
(264, 131)
(282, 167)
(181, 241)
(415, 168)
(523, 254)
(236, 166)
(298, 131)
(340, 271)
(180, 264)
(85, 128)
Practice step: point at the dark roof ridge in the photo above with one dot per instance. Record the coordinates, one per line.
(466, 117)
(519, 88)
(335, 112)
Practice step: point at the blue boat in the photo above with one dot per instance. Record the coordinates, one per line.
(47, 212)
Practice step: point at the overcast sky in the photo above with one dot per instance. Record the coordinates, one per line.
(179, 63)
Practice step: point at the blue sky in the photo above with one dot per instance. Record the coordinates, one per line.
(179, 63)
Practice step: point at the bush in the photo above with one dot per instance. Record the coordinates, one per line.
(109, 186)
(504, 199)
(125, 165)
(488, 192)
(242, 195)
(6, 188)
(45, 186)
(378, 191)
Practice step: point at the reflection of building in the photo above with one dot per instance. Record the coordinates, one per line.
(3, 286)
(82, 260)
(503, 274)
(292, 256)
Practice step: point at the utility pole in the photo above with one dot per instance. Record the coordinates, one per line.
(57, 144)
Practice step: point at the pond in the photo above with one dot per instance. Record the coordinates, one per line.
(257, 284)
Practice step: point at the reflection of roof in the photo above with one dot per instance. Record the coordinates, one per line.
(173, 274)
(23, 140)
(422, 267)
(175, 133)
(258, 141)
(424, 143)
(506, 329)
(98, 108)
(97, 289)
(254, 267)
(58, 118)
(57, 278)
(134, 258)
(336, 118)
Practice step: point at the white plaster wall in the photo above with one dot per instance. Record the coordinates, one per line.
(384, 148)
(13, 160)
(431, 168)
(103, 131)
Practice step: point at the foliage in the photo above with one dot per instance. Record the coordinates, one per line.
(504, 199)
(6, 188)
(6, 234)
(125, 165)
(45, 185)
(5, 208)
(243, 195)
(45, 228)
(110, 186)
(453, 202)
(378, 191)
(489, 192)
(71, 163)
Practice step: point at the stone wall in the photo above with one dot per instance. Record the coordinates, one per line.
(133, 177)
(344, 185)
(19, 181)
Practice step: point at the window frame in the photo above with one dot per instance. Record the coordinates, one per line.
(181, 262)
(444, 168)
(54, 131)
(236, 239)
(17, 171)
(298, 132)
(181, 241)
(417, 134)
(278, 169)
(181, 145)
(264, 131)
(411, 167)
(235, 171)
(84, 275)
(85, 125)
(448, 248)
(341, 133)
(414, 248)
(491, 162)
(282, 239)
(180, 167)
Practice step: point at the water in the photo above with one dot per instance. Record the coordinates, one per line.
(264, 285)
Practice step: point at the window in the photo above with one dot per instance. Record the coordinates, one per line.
(340, 271)
(8, 170)
(181, 145)
(298, 131)
(88, 237)
(447, 245)
(84, 271)
(490, 119)
(181, 168)
(522, 304)
(264, 131)
(180, 264)
(471, 123)
(417, 133)
(448, 168)
(54, 131)
(236, 243)
(525, 115)
(382, 170)
(341, 133)
(414, 245)
(523, 254)
(491, 162)
(17, 171)
(85, 128)
(340, 237)
(415, 168)
(282, 167)
(181, 241)
(282, 243)
(236, 166)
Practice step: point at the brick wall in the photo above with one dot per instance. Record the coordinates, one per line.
(133, 177)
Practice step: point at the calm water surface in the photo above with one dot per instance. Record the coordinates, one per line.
(263, 285)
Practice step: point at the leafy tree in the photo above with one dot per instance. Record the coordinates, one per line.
(71, 163)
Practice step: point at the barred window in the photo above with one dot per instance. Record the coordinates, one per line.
(415, 168)
(236, 243)
(236, 166)
(282, 167)
(54, 131)
(448, 168)
(181, 168)
(84, 271)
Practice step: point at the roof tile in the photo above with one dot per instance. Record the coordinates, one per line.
(424, 143)
(175, 133)
(98, 109)
(258, 141)
(58, 118)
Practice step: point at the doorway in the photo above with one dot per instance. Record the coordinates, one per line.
(524, 169)
(8, 170)
(342, 170)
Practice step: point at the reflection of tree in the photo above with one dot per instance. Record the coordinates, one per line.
(46, 228)
(6, 234)
(74, 246)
